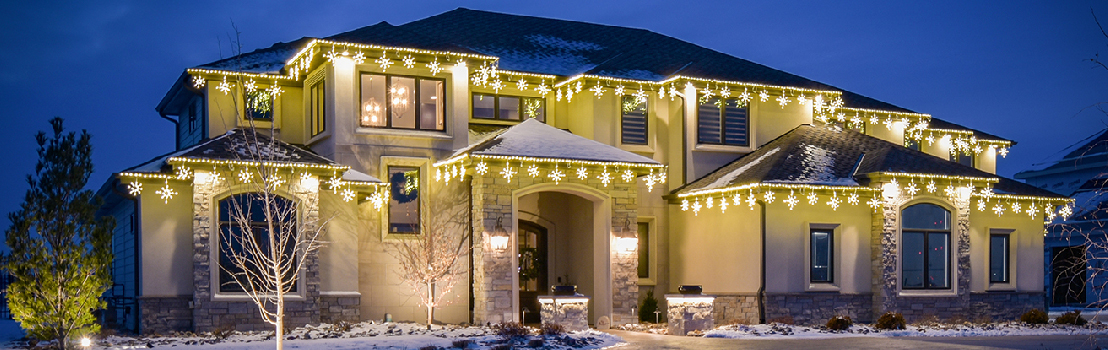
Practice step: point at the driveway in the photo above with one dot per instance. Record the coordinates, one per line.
(638, 340)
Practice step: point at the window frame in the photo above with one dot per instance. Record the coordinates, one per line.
(835, 270)
(1007, 255)
(623, 121)
(652, 268)
(215, 241)
(383, 169)
(317, 115)
(957, 157)
(415, 98)
(522, 106)
(246, 111)
(418, 204)
(951, 279)
(812, 255)
(723, 122)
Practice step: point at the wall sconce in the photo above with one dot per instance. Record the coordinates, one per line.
(627, 239)
(498, 238)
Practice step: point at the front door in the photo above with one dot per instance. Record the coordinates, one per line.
(532, 270)
(1068, 269)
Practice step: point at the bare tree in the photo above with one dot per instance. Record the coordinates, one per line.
(433, 262)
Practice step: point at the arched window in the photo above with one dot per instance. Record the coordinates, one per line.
(245, 241)
(925, 247)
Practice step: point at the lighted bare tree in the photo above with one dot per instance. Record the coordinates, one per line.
(433, 262)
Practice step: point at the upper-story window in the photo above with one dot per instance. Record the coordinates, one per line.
(194, 114)
(259, 104)
(317, 108)
(962, 158)
(911, 143)
(633, 120)
(515, 108)
(722, 122)
(925, 247)
(399, 102)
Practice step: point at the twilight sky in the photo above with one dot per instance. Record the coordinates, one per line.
(1016, 69)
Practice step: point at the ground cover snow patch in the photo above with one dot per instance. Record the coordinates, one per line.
(776, 330)
(366, 335)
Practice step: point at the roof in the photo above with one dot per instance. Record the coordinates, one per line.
(828, 155)
(1092, 150)
(234, 146)
(534, 139)
(937, 123)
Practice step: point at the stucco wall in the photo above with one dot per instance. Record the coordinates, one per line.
(787, 237)
(167, 244)
(719, 251)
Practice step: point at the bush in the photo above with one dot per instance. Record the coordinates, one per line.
(891, 320)
(553, 329)
(649, 305)
(1035, 316)
(840, 323)
(1072, 317)
(462, 343)
(512, 329)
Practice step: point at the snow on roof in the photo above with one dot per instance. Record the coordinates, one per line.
(357, 176)
(1060, 156)
(532, 138)
(726, 179)
(546, 62)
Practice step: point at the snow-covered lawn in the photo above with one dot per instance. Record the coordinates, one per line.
(763, 331)
(358, 336)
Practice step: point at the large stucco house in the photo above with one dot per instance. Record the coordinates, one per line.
(615, 159)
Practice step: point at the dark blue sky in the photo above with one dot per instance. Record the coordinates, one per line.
(1015, 69)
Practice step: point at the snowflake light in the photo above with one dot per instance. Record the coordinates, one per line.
(497, 85)
(557, 175)
(1016, 207)
(542, 89)
(745, 97)
(769, 197)
(582, 173)
(981, 205)
(791, 200)
(650, 181)
(507, 172)
(409, 62)
(1065, 212)
(696, 208)
(725, 93)
(597, 91)
(438, 174)
(723, 205)
(134, 188)
(998, 209)
(533, 170)
(482, 168)
(874, 203)
(931, 187)
(245, 176)
(662, 177)
(751, 200)
(166, 193)
(672, 92)
(347, 195)
(834, 202)
(912, 189)
(706, 94)
(812, 198)
(1032, 210)
(1050, 215)
(224, 86)
(569, 95)
(359, 57)
(558, 95)
(335, 182)
(763, 96)
(377, 199)
(384, 62)
(640, 96)
(1003, 152)
(274, 182)
(710, 202)
(197, 81)
(987, 193)
(274, 91)
(605, 177)
(183, 172)
(852, 199)
(737, 199)
(628, 175)
(619, 90)
(684, 205)
(251, 85)
(662, 91)
(521, 85)
(802, 100)
(435, 67)
(578, 86)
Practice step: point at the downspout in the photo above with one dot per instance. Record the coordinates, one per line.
(762, 278)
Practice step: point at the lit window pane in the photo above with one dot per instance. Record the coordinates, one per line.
(912, 263)
(374, 103)
(644, 250)
(822, 257)
(402, 102)
(998, 258)
(404, 202)
(938, 260)
(509, 108)
(534, 108)
(430, 105)
(926, 216)
(484, 106)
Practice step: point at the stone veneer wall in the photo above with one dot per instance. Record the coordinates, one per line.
(735, 309)
(885, 253)
(492, 272)
(210, 314)
(1005, 306)
(164, 315)
(817, 308)
(335, 308)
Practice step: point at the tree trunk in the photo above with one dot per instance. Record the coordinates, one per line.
(431, 302)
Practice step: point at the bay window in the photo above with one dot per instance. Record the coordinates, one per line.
(398, 102)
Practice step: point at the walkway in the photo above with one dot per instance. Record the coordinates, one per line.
(638, 340)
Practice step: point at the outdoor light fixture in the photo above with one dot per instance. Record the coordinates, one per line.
(86, 342)
(498, 238)
(626, 238)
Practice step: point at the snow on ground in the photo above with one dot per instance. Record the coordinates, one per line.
(356, 336)
(771, 331)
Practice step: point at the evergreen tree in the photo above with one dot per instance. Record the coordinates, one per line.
(60, 250)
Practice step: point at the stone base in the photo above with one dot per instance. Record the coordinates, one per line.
(570, 312)
(1005, 306)
(735, 309)
(164, 315)
(689, 313)
(817, 308)
(244, 316)
(335, 308)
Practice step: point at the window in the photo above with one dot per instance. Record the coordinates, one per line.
(317, 108)
(911, 143)
(259, 104)
(515, 108)
(404, 202)
(194, 114)
(962, 158)
(644, 250)
(235, 234)
(722, 122)
(397, 102)
(925, 247)
(633, 120)
(999, 245)
(823, 256)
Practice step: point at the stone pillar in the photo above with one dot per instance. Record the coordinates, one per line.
(572, 312)
(492, 269)
(689, 313)
(625, 267)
